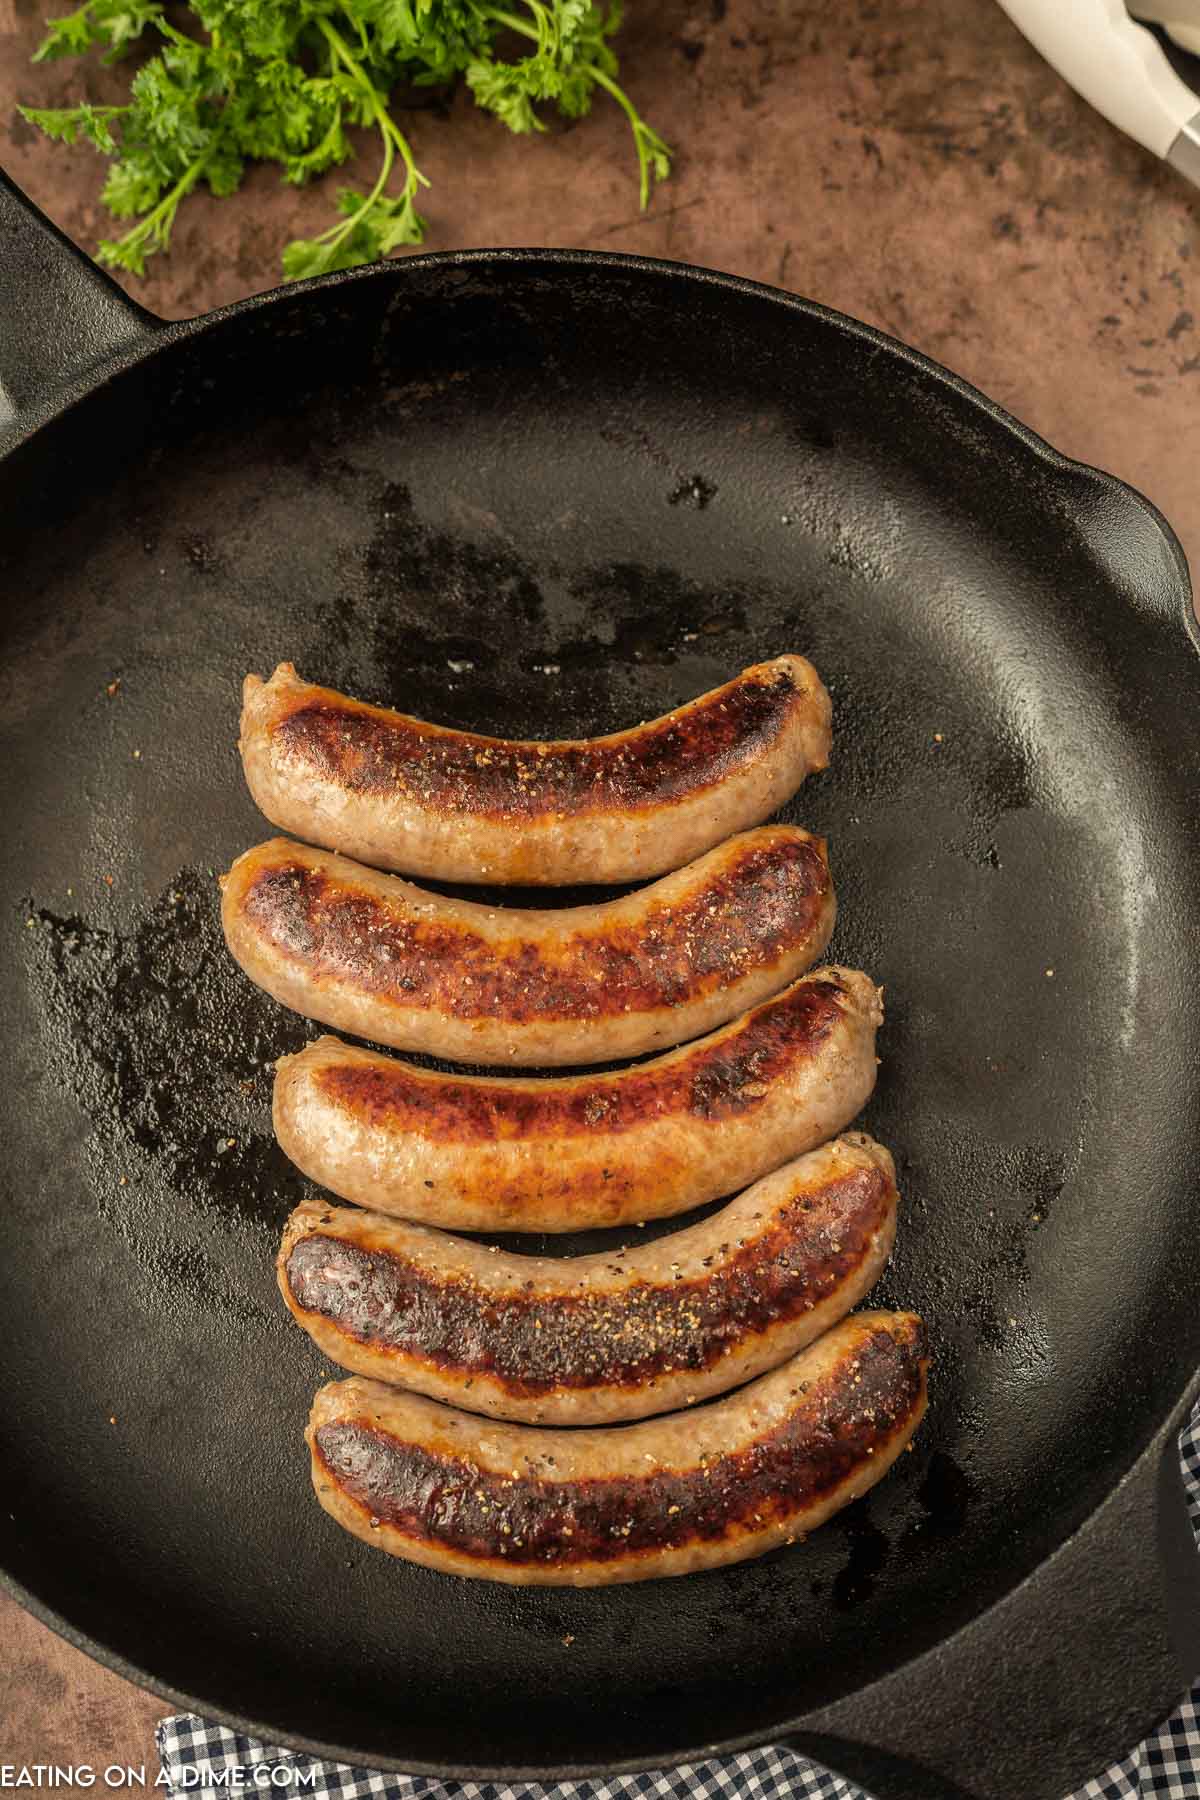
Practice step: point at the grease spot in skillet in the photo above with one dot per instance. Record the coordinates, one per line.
(945, 1493)
(868, 1551)
(168, 1053)
(693, 491)
(200, 552)
(647, 615)
(583, 637)
(376, 643)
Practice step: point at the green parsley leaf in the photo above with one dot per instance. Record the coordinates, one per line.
(133, 186)
(69, 123)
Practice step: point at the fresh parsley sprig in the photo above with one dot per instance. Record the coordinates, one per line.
(284, 80)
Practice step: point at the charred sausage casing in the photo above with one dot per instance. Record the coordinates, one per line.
(514, 1153)
(454, 806)
(584, 1340)
(692, 1490)
(373, 955)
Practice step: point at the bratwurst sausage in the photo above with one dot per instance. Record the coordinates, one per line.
(692, 1490)
(581, 1340)
(395, 792)
(372, 955)
(511, 1153)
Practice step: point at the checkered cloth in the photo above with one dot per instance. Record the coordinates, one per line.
(197, 1754)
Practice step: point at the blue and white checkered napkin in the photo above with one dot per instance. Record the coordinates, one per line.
(197, 1754)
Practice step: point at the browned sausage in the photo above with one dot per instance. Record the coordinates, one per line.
(401, 794)
(693, 1490)
(371, 954)
(581, 1340)
(511, 1153)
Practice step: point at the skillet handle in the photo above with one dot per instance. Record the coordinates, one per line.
(61, 318)
(1059, 1679)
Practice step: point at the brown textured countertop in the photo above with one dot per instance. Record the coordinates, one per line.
(911, 162)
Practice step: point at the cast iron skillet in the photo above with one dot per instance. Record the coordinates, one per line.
(546, 493)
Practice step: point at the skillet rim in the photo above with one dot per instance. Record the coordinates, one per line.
(162, 334)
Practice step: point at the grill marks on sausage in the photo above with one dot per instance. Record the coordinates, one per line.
(529, 1516)
(721, 1080)
(764, 903)
(533, 1344)
(368, 750)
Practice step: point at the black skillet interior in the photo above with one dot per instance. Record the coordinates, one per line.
(551, 497)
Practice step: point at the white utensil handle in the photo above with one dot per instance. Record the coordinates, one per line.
(1113, 62)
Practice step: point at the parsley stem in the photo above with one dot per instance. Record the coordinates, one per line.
(328, 243)
(393, 138)
(644, 140)
(170, 201)
(512, 23)
(637, 124)
(155, 226)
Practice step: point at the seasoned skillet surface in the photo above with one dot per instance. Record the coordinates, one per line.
(549, 505)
